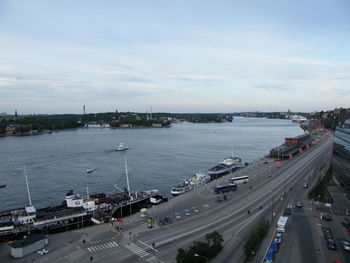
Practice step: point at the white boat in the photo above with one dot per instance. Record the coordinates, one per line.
(190, 184)
(89, 170)
(299, 119)
(122, 147)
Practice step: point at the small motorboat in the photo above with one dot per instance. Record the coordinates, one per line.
(89, 170)
(122, 147)
(2, 185)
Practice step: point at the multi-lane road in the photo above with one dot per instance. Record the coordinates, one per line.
(268, 189)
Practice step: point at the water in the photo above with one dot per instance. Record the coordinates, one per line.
(157, 158)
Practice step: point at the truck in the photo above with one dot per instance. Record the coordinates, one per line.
(281, 224)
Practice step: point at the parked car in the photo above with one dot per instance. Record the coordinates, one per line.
(168, 220)
(299, 204)
(326, 228)
(275, 246)
(187, 213)
(346, 245)
(287, 211)
(326, 217)
(219, 199)
(177, 216)
(270, 255)
(278, 238)
(195, 209)
(305, 185)
(346, 223)
(331, 244)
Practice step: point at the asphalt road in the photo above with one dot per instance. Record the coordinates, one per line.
(268, 187)
(304, 239)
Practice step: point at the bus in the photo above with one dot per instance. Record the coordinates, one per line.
(239, 180)
(281, 224)
(224, 188)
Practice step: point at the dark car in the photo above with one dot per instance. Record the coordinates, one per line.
(168, 220)
(287, 211)
(346, 223)
(326, 217)
(331, 244)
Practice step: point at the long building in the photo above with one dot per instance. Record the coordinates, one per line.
(341, 150)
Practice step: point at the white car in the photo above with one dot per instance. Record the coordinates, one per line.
(278, 238)
(187, 213)
(177, 216)
(195, 209)
(346, 245)
(43, 251)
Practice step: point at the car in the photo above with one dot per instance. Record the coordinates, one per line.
(305, 185)
(331, 244)
(346, 223)
(275, 246)
(168, 220)
(195, 209)
(177, 216)
(43, 251)
(345, 244)
(270, 255)
(326, 217)
(287, 211)
(219, 199)
(187, 213)
(328, 235)
(299, 204)
(278, 238)
(326, 228)
(327, 232)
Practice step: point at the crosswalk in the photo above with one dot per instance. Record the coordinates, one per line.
(101, 245)
(142, 253)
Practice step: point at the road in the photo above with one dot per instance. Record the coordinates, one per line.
(267, 190)
(304, 239)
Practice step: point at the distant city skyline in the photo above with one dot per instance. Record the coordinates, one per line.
(174, 56)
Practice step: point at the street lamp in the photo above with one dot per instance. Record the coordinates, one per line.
(196, 255)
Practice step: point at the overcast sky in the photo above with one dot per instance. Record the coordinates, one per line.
(176, 56)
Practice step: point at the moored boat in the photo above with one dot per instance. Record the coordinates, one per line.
(227, 166)
(190, 184)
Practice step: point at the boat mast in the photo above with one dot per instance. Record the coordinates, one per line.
(127, 176)
(25, 175)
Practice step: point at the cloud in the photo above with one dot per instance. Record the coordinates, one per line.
(275, 87)
(200, 78)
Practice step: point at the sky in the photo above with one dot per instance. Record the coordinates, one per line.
(174, 56)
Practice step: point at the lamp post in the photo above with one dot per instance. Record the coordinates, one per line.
(196, 255)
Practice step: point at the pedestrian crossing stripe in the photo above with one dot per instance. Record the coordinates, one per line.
(102, 246)
(141, 253)
(152, 260)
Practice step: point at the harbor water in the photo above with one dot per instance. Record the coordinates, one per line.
(157, 159)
